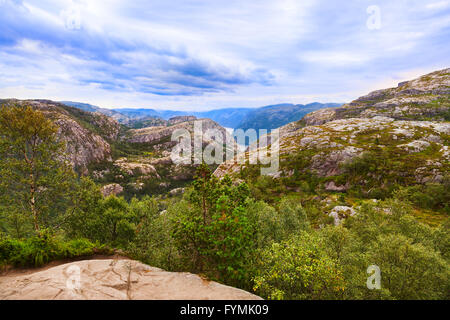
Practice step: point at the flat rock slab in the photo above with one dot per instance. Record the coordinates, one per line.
(113, 279)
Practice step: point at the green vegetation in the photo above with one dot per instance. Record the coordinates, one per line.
(37, 251)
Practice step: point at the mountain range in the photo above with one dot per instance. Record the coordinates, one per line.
(268, 117)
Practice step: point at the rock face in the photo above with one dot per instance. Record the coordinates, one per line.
(135, 168)
(425, 98)
(114, 280)
(76, 128)
(159, 135)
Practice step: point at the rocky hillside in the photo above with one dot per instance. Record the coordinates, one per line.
(124, 161)
(425, 98)
(87, 135)
(113, 279)
(142, 162)
(367, 151)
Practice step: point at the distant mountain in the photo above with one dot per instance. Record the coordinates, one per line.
(228, 118)
(225, 117)
(269, 117)
(276, 116)
(89, 107)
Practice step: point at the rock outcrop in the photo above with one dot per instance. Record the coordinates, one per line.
(112, 189)
(340, 213)
(114, 280)
(159, 139)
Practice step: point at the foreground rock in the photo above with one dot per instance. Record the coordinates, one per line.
(114, 280)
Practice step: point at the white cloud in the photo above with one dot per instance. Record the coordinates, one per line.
(218, 54)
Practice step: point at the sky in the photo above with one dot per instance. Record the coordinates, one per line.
(208, 54)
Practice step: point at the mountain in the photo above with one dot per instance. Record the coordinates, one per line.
(142, 163)
(272, 117)
(269, 117)
(225, 117)
(369, 146)
(425, 98)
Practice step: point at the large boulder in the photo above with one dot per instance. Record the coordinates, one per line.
(113, 279)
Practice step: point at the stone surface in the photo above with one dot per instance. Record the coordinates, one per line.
(113, 279)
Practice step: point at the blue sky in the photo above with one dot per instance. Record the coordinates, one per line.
(199, 55)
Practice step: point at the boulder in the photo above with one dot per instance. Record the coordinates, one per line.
(114, 279)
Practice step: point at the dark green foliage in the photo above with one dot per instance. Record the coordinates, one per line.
(432, 196)
(106, 220)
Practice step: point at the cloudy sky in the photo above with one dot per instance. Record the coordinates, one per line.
(207, 54)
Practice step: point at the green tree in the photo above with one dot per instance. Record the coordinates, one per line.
(211, 227)
(299, 269)
(153, 242)
(35, 178)
(410, 270)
